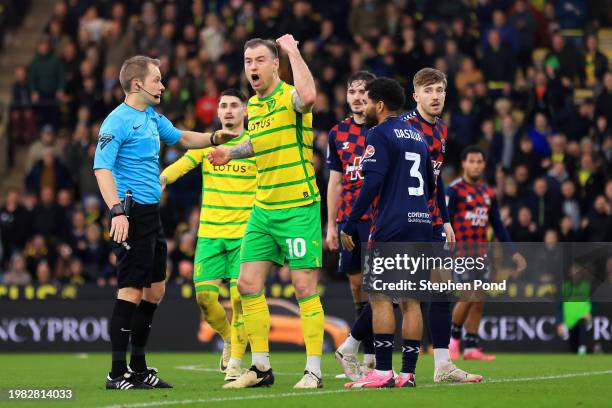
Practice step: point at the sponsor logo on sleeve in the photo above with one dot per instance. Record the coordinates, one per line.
(104, 139)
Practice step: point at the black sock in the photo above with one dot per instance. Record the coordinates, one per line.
(410, 355)
(120, 327)
(362, 327)
(359, 308)
(456, 330)
(383, 345)
(440, 320)
(471, 340)
(368, 343)
(141, 327)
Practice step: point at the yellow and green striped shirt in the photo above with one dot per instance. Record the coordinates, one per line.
(282, 140)
(228, 191)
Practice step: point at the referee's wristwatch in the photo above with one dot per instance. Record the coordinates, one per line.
(117, 210)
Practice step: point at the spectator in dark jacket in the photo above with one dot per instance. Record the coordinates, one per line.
(46, 82)
(48, 172)
(527, 157)
(15, 224)
(498, 63)
(545, 206)
(46, 217)
(597, 226)
(464, 125)
(563, 58)
(525, 24)
(523, 229)
(603, 106)
(569, 205)
(23, 129)
(589, 181)
(95, 254)
(582, 120)
(593, 64)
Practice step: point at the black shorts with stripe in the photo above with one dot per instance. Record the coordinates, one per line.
(145, 262)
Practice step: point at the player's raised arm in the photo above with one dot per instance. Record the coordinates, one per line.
(306, 93)
(179, 168)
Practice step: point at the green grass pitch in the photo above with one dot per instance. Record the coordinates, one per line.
(514, 380)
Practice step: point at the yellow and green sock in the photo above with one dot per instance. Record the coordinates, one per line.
(207, 296)
(257, 327)
(239, 337)
(313, 322)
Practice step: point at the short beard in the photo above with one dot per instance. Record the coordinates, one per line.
(370, 122)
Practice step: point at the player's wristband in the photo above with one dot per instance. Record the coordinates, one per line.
(212, 139)
(117, 210)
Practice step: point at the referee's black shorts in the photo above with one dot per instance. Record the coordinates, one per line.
(145, 262)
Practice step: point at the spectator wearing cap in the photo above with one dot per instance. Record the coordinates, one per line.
(35, 151)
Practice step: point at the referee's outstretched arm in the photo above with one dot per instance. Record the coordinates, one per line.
(197, 140)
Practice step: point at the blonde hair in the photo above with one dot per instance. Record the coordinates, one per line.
(136, 67)
(429, 76)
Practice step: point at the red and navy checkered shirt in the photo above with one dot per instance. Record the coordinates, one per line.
(469, 208)
(436, 136)
(472, 208)
(346, 148)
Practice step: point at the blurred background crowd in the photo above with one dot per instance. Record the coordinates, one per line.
(529, 81)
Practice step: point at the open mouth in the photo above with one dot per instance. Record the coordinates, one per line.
(254, 77)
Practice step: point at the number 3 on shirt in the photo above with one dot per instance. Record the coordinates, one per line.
(415, 158)
(297, 247)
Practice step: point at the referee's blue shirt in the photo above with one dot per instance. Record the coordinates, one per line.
(128, 145)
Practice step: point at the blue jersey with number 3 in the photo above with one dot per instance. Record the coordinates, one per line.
(397, 152)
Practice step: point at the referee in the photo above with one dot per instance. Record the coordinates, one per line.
(127, 159)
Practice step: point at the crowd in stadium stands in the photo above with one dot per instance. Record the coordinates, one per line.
(549, 153)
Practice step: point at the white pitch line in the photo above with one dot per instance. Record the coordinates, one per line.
(323, 392)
